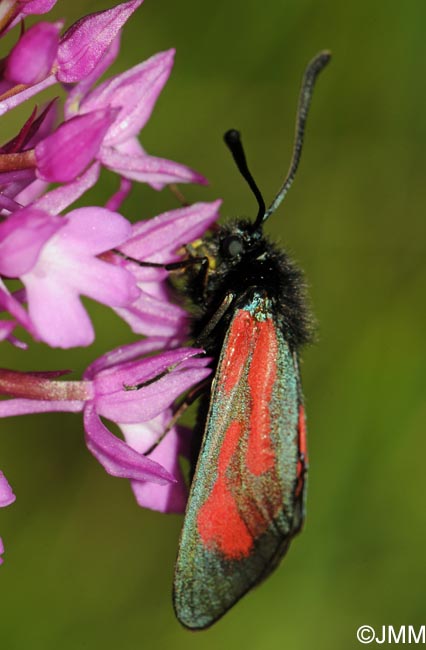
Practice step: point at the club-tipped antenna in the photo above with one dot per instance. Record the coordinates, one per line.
(233, 140)
(311, 73)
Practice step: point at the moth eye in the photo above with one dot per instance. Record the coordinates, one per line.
(232, 246)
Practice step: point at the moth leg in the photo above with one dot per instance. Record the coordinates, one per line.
(224, 306)
(190, 398)
(171, 266)
(217, 316)
(160, 375)
(179, 195)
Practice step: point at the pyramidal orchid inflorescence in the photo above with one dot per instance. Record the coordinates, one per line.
(52, 254)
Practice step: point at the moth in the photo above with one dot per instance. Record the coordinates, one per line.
(248, 490)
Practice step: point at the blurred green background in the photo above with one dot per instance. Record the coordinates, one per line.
(84, 566)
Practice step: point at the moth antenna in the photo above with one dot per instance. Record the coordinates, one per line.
(233, 140)
(305, 97)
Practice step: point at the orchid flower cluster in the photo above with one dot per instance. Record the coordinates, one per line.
(55, 254)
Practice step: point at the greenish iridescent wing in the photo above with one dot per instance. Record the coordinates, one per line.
(246, 498)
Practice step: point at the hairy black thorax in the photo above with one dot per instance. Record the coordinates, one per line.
(243, 262)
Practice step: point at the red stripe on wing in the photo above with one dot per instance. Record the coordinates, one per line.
(219, 522)
(248, 373)
(302, 463)
(260, 454)
(303, 448)
(241, 338)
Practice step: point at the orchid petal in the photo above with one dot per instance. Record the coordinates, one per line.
(132, 406)
(23, 406)
(30, 192)
(163, 498)
(24, 8)
(114, 379)
(22, 237)
(6, 328)
(135, 93)
(94, 230)
(60, 198)
(87, 41)
(55, 308)
(32, 58)
(59, 322)
(116, 200)
(78, 91)
(158, 238)
(30, 7)
(6, 495)
(15, 309)
(124, 354)
(148, 169)
(64, 154)
(118, 458)
(150, 316)
(67, 268)
(28, 91)
(21, 176)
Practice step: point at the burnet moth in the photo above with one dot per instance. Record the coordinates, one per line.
(246, 500)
